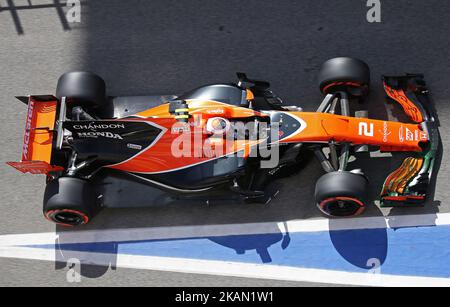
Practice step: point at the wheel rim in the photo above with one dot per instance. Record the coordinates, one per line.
(341, 206)
(68, 218)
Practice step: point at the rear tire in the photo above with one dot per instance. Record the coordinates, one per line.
(82, 89)
(70, 202)
(341, 193)
(344, 74)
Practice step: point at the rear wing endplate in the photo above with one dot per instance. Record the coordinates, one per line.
(38, 136)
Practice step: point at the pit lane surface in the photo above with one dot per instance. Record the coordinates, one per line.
(164, 47)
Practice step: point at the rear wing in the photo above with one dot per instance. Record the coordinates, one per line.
(38, 136)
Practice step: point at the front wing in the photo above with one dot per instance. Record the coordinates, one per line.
(409, 185)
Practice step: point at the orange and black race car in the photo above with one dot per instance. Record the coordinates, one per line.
(221, 142)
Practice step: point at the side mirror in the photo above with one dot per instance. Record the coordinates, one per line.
(256, 85)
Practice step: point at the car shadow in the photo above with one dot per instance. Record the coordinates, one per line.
(363, 248)
(79, 256)
(260, 243)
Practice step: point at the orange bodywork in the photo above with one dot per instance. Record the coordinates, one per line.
(161, 158)
(319, 127)
(315, 128)
(408, 106)
(249, 95)
(37, 142)
(390, 136)
(177, 150)
(169, 151)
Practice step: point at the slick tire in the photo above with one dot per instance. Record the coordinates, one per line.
(70, 202)
(344, 74)
(340, 194)
(82, 88)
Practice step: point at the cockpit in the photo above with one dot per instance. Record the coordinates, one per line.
(249, 93)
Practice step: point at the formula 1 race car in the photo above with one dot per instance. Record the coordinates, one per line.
(221, 142)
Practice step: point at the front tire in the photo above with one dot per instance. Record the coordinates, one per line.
(70, 202)
(344, 74)
(341, 194)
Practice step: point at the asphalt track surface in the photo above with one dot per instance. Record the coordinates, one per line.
(162, 47)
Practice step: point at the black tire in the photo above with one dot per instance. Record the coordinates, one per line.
(82, 88)
(70, 202)
(341, 193)
(344, 74)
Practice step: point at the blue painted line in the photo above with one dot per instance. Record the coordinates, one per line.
(416, 251)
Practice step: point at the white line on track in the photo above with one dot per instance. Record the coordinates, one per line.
(180, 232)
(261, 271)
